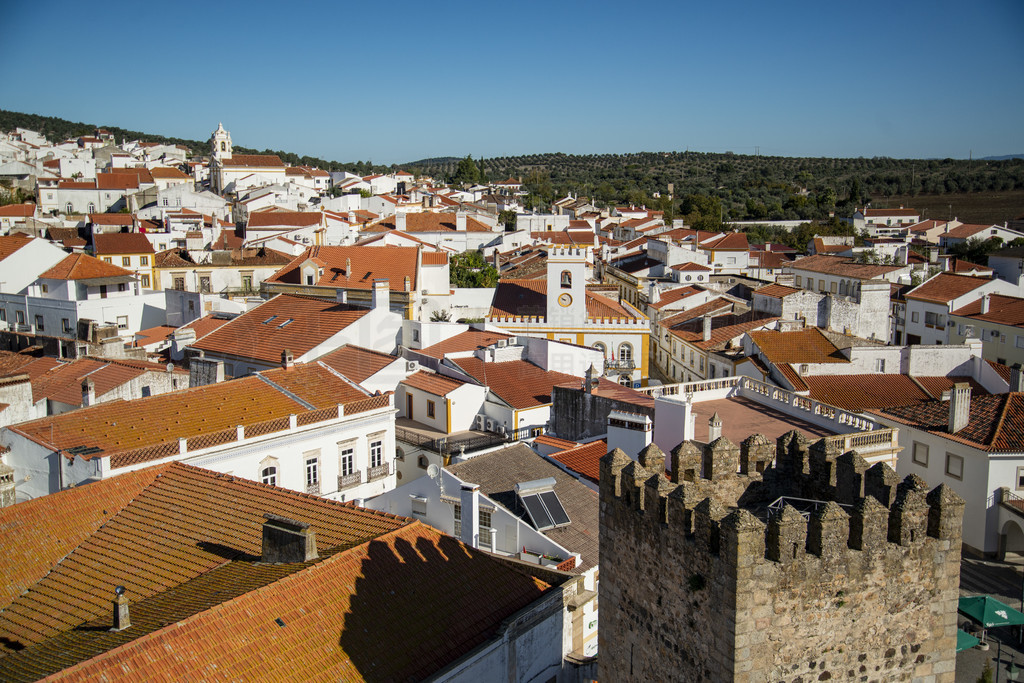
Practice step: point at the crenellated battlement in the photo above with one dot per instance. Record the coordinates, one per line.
(784, 560)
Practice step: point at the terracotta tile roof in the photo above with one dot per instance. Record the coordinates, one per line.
(50, 527)
(519, 383)
(121, 243)
(253, 160)
(517, 297)
(432, 383)
(205, 325)
(863, 392)
(996, 421)
(674, 295)
(555, 442)
(316, 384)
(609, 389)
(227, 239)
(12, 243)
(116, 181)
(770, 259)
(367, 265)
(167, 173)
(724, 328)
(470, 340)
(585, 460)
(262, 334)
(1006, 310)
(83, 267)
(1003, 370)
(35, 368)
(777, 291)
(26, 210)
(11, 363)
(498, 472)
(122, 219)
(435, 258)
(153, 335)
(937, 385)
(64, 382)
(808, 345)
(690, 266)
(730, 241)
(76, 185)
(842, 266)
(264, 220)
(428, 221)
(945, 287)
(716, 305)
(357, 363)
(966, 230)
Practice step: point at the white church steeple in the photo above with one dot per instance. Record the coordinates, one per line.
(220, 143)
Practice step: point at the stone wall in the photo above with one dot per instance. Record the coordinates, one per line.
(710, 583)
(578, 415)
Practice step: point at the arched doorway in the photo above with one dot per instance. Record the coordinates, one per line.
(1011, 539)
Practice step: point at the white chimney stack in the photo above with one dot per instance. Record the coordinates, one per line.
(707, 328)
(469, 499)
(959, 407)
(985, 303)
(381, 294)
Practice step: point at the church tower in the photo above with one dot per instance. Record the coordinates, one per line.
(220, 143)
(566, 287)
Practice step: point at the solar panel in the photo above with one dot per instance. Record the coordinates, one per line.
(554, 507)
(537, 512)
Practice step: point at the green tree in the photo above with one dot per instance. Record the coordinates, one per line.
(467, 172)
(440, 316)
(508, 219)
(469, 269)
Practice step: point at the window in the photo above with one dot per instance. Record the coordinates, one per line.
(422, 462)
(702, 363)
(458, 520)
(602, 348)
(45, 288)
(122, 322)
(415, 335)
(19, 316)
(419, 506)
(312, 471)
(799, 281)
(39, 323)
(268, 475)
(485, 527)
(108, 259)
(348, 460)
(92, 208)
(65, 325)
(204, 284)
(920, 455)
(3, 315)
(1020, 478)
(146, 391)
(954, 466)
(914, 317)
(121, 286)
(376, 453)
(832, 288)
(126, 261)
(143, 260)
(625, 351)
(625, 380)
(430, 409)
(566, 279)
(247, 281)
(879, 365)
(179, 284)
(145, 281)
(68, 208)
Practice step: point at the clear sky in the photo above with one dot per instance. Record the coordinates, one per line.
(391, 81)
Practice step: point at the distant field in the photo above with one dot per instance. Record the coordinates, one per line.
(974, 207)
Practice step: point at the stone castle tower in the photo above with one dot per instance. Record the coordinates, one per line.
(784, 561)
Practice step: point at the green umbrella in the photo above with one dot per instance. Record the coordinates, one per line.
(989, 612)
(965, 640)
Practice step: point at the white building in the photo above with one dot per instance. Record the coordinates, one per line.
(930, 304)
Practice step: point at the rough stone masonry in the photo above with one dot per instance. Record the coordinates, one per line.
(708, 576)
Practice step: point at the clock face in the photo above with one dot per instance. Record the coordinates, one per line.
(564, 299)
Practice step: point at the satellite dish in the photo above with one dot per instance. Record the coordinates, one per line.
(433, 471)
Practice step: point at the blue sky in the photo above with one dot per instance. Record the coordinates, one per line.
(396, 81)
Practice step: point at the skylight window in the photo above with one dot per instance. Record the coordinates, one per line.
(285, 323)
(269, 320)
(542, 504)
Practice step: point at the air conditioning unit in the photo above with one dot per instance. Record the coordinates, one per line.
(490, 425)
(412, 366)
(512, 341)
(478, 422)
(502, 343)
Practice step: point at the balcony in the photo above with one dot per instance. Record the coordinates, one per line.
(347, 481)
(378, 472)
(623, 364)
(313, 488)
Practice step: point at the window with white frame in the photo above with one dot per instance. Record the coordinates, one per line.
(920, 454)
(347, 459)
(914, 317)
(879, 365)
(312, 471)
(419, 506)
(457, 509)
(485, 528)
(376, 453)
(954, 466)
(625, 351)
(1020, 478)
(268, 475)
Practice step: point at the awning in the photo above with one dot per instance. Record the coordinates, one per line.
(964, 640)
(988, 611)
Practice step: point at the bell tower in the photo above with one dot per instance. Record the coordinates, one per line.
(566, 287)
(220, 143)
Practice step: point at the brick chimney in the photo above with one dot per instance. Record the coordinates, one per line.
(959, 407)
(287, 359)
(287, 540)
(122, 620)
(88, 392)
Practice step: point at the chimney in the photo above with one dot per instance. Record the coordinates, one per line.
(287, 540)
(707, 328)
(653, 293)
(590, 379)
(287, 359)
(400, 221)
(348, 268)
(381, 294)
(121, 617)
(341, 295)
(959, 407)
(1016, 378)
(460, 221)
(985, 304)
(88, 392)
(469, 498)
(933, 254)
(631, 432)
(714, 428)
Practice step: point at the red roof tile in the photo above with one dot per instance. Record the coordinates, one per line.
(83, 267)
(12, 243)
(26, 210)
(432, 383)
(357, 363)
(1006, 310)
(674, 295)
(122, 219)
(121, 243)
(584, 460)
(366, 264)
(996, 422)
(253, 161)
(470, 340)
(273, 220)
(808, 345)
(529, 298)
(945, 287)
(845, 267)
(519, 383)
(863, 392)
(428, 221)
(776, 291)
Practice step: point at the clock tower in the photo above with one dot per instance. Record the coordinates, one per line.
(566, 287)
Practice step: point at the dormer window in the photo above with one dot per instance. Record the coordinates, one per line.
(566, 279)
